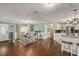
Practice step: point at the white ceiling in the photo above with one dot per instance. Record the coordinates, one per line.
(36, 12)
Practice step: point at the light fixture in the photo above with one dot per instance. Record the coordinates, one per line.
(74, 21)
(51, 4)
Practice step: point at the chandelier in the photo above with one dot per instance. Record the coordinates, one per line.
(74, 21)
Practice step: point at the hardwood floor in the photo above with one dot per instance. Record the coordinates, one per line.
(46, 47)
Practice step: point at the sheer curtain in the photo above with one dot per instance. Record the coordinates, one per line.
(4, 29)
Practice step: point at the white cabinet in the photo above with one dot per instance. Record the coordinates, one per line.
(57, 36)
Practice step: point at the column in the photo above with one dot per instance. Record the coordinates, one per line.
(17, 32)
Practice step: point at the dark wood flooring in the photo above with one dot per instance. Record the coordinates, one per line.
(46, 47)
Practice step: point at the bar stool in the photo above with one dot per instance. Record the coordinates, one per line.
(69, 44)
(78, 49)
(75, 48)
